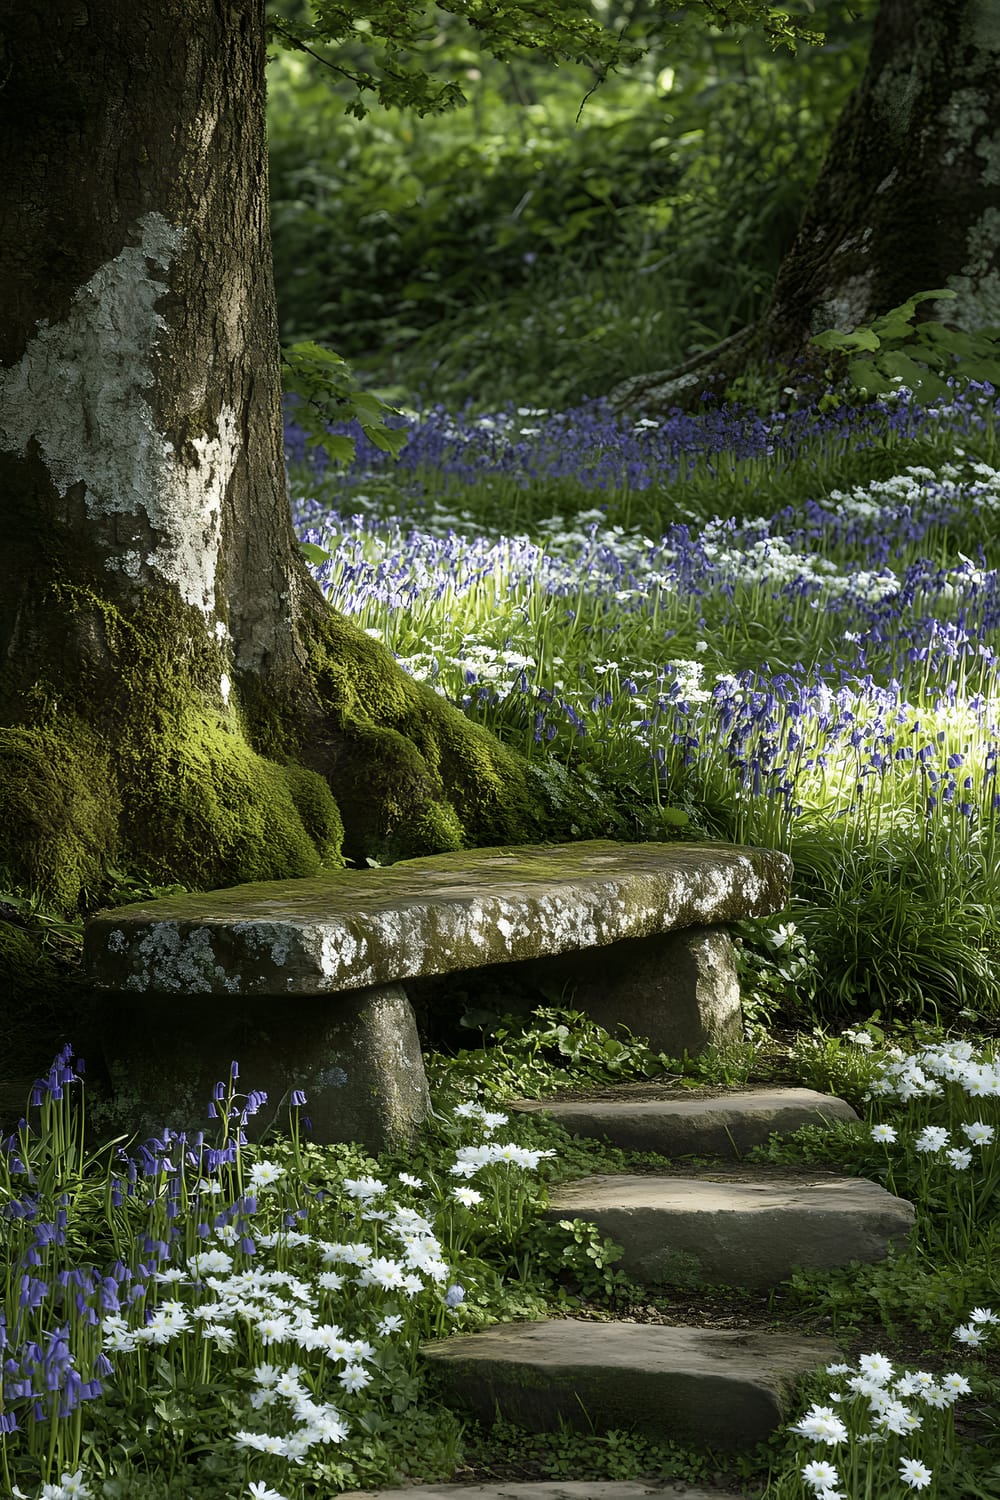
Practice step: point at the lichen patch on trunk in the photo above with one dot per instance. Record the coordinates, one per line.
(848, 302)
(982, 25)
(977, 304)
(81, 393)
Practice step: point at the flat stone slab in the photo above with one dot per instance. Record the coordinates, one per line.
(686, 1123)
(552, 1489)
(746, 1228)
(700, 1387)
(352, 930)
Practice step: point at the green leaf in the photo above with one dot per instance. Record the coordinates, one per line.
(980, 369)
(941, 342)
(312, 553)
(387, 439)
(863, 375)
(674, 817)
(328, 392)
(899, 366)
(367, 407)
(896, 323)
(858, 338)
(893, 326)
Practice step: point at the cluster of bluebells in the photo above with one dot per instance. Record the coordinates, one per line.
(601, 449)
(229, 1263)
(50, 1339)
(873, 1414)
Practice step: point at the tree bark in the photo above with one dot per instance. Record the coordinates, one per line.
(176, 697)
(908, 199)
(909, 196)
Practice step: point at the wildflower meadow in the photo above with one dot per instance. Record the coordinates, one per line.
(774, 630)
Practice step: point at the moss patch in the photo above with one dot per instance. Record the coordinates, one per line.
(58, 812)
(413, 775)
(203, 808)
(320, 815)
(125, 762)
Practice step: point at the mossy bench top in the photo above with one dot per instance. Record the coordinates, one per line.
(349, 929)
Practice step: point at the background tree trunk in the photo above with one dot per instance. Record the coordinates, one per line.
(176, 697)
(908, 199)
(909, 195)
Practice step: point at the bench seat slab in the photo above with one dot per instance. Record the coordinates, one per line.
(348, 930)
(301, 980)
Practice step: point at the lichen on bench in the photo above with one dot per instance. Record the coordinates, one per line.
(303, 979)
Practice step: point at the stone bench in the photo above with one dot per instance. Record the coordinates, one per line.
(303, 981)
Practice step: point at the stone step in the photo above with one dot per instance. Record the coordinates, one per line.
(699, 1387)
(746, 1227)
(682, 1122)
(550, 1489)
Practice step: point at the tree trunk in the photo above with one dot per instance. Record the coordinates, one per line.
(176, 696)
(909, 196)
(908, 199)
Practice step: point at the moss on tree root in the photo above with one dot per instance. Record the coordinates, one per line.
(141, 769)
(413, 775)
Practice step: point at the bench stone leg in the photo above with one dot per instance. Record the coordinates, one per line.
(679, 989)
(356, 1056)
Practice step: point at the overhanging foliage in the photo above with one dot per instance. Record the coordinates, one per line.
(385, 50)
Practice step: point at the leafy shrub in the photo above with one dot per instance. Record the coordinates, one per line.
(896, 350)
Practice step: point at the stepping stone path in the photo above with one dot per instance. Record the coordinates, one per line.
(749, 1230)
(740, 1226)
